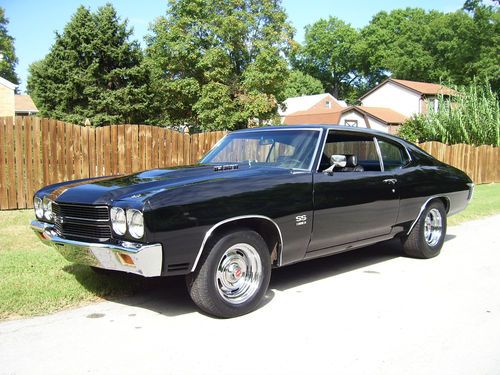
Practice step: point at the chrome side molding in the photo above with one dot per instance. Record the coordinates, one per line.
(423, 208)
(236, 218)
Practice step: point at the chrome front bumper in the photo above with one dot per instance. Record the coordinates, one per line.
(146, 259)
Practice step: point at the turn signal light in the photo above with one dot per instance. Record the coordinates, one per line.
(126, 259)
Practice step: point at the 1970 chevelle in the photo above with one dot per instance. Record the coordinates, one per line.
(261, 198)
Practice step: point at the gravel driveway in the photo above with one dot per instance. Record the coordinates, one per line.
(369, 311)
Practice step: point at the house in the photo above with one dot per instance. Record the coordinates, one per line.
(406, 97)
(383, 119)
(377, 118)
(24, 105)
(383, 108)
(310, 103)
(12, 104)
(7, 102)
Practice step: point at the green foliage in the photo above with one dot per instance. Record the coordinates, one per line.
(299, 84)
(92, 71)
(8, 59)
(431, 46)
(472, 117)
(329, 54)
(217, 64)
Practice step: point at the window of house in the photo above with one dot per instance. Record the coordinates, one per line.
(328, 104)
(351, 123)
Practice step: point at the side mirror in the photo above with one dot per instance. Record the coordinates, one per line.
(336, 161)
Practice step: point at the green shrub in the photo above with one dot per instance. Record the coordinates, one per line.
(471, 117)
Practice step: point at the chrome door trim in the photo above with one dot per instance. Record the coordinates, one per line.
(379, 153)
(214, 227)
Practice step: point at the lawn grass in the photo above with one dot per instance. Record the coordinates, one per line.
(36, 280)
(485, 202)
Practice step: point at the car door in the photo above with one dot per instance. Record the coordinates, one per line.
(352, 206)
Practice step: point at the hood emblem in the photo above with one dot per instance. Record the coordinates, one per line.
(225, 167)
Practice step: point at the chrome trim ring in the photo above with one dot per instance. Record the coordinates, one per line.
(433, 227)
(239, 273)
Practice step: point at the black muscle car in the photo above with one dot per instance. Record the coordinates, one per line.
(261, 198)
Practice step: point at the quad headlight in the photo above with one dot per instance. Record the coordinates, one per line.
(118, 220)
(43, 208)
(131, 220)
(135, 222)
(47, 209)
(38, 204)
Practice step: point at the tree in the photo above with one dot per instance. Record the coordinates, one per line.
(299, 84)
(484, 40)
(217, 64)
(329, 55)
(432, 46)
(8, 59)
(92, 71)
(394, 43)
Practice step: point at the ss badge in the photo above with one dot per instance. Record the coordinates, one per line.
(300, 220)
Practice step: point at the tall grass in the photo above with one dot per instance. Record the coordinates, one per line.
(471, 117)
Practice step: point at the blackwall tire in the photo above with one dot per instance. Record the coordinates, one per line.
(232, 276)
(427, 237)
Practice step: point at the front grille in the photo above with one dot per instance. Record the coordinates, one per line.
(82, 222)
(94, 213)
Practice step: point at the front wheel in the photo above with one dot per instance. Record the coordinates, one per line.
(427, 237)
(233, 275)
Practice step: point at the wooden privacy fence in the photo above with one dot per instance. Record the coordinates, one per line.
(481, 163)
(36, 152)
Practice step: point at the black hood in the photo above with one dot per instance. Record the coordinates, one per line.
(143, 185)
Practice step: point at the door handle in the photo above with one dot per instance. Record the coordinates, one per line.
(391, 181)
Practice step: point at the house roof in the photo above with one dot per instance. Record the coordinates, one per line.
(7, 83)
(422, 88)
(302, 103)
(385, 115)
(322, 116)
(24, 103)
(326, 116)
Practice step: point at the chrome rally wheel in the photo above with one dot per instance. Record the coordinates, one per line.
(433, 227)
(239, 273)
(427, 236)
(233, 274)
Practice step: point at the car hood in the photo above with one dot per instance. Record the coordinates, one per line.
(142, 185)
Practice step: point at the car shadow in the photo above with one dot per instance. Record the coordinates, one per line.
(168, 295)
(325, 267)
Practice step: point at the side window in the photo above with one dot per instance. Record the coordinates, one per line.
(359, 145)
(393, 156)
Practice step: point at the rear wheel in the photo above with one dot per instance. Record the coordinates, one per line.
(233, 275)
(427, 237)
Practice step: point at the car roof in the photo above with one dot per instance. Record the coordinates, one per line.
(408, 145)
(325, 127)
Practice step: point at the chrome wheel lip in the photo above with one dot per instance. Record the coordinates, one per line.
(433, 227)
(239, 273)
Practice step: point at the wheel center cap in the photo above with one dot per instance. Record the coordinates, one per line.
(237, 273)
(233, 273)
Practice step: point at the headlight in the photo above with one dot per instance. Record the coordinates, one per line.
(38, 204)
(118, 220)
(47, 209)
(135, 222)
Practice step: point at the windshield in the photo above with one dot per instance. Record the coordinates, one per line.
(281, 148)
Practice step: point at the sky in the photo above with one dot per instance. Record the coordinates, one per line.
(33, 23)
